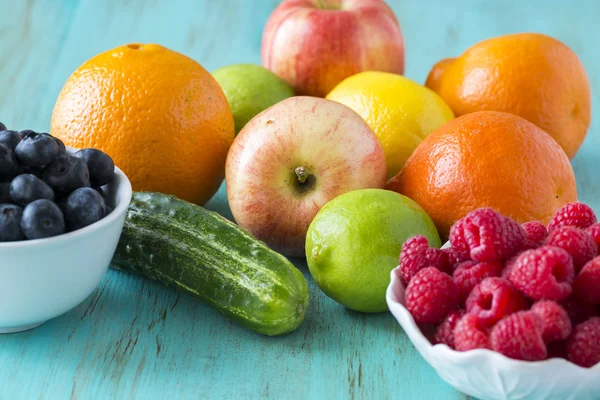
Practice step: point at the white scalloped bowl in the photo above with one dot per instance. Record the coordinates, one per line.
(489, 375)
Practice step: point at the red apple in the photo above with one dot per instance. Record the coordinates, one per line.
(293, 158)
(315, 44)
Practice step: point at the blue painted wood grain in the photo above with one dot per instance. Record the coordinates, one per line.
(135, 339)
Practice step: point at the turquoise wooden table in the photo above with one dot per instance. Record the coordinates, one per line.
(133, 338)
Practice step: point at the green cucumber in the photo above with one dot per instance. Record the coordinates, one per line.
(201, 253)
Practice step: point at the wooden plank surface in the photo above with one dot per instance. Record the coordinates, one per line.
(135, 339)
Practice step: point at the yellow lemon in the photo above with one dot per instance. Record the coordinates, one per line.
(400, 112)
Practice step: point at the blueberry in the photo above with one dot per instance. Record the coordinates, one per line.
(37, 171)
(105, 196)
(107, 210)
(62, 204)
(84, 207)
(61, 146)
(10, 139)
(36, 150)
(5, 192)
(2, 127)
(10, 223)
(66, 174)
(42, 219)
(100, 165)
(26, 132)
(27, 188)
(8, 164)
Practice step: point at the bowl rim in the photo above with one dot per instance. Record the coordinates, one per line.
(468, 356)
(123, 184)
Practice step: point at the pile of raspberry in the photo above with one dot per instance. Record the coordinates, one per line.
(530, 291)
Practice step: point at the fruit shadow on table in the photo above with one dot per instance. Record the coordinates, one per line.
(146, 313)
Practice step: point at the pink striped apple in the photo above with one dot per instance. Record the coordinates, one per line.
(290, 160)
(315, 44)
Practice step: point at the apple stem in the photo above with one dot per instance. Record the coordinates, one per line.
(322, 4)
(301, 174)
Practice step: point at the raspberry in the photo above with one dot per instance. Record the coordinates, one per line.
(594, 232)
(430, 296)
(470, 273)
(471, 333)
(557, 325)
(577, 310)
(575, 214)
(557, 349)
(439, 259)
(535, 233)
(508, 267)
(583, 347)
(579, 244)
(455, 257)
(519, 336)
(587, 283)
(410, 256)
(494, 299)
(543, 273)
(486, 235)
(417, 255)
(428, 331)
(445, 331)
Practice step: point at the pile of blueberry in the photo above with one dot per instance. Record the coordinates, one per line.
(46, 191)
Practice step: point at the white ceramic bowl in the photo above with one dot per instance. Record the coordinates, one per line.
(42, 279)
(489, 375)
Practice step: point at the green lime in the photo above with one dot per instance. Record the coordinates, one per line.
(355, 241)
(250, 89)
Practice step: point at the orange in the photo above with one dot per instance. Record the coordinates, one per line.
(531, 75)
(487, 159)
(159, 114)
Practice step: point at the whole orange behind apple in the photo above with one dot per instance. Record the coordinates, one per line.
(528, 74)
(315, 44)
(487, 159)
(293, 158)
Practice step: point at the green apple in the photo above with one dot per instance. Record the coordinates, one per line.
(355, 241)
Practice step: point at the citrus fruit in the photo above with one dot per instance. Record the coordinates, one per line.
(400, 111)
(162, 118)
(532, 75)
(487, 159)
(355, 240)
(250, 89)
